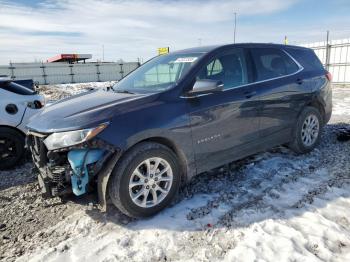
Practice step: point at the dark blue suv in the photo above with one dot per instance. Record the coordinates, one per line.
(179, 115)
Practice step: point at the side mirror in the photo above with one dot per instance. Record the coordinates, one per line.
(206, 86)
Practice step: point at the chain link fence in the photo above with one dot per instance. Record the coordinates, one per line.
(62, 73)
(335, 56)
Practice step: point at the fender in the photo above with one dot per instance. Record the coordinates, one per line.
(102, 180)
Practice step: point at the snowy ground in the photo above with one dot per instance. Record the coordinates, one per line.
(60, 91)
(274, 206)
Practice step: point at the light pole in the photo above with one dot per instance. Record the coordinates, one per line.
(234, 30)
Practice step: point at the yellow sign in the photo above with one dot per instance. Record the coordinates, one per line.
(163, 50)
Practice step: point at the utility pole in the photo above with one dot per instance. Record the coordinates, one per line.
(234, 30)
(103, 53)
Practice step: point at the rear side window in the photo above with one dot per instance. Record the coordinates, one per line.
(307, 58)
(271, 63)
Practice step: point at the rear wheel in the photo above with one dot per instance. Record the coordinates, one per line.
(145, 180)
(307, 132)
(11, 147)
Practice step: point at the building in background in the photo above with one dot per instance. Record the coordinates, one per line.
(69, 58)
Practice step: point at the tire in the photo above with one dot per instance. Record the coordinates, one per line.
(131, 172)
(11, 147)
(299, 143)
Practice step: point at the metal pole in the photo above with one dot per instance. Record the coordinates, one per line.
(12, 70)
(234, 31)
(346, 63)
(121, 70)
(44, 73)
(103, 53)
(98, 72)
(328, 51)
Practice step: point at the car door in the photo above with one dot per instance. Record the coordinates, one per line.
(225, 121)
(280, 90)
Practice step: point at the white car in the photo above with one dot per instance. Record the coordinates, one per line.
(17, 104)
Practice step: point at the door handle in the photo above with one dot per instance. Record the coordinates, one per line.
(299, 81)
(250, 94)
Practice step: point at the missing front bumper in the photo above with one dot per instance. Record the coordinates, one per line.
(80, 161)
(76, 169)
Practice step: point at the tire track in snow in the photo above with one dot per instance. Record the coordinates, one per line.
(259, 184)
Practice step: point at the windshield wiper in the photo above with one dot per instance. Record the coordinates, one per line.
(123, 91)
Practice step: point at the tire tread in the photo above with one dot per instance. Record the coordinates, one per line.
(296, 144)
(117, 174)
(14, 134)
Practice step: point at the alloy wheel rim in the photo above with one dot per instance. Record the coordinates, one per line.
(310, 130)
(150, 182)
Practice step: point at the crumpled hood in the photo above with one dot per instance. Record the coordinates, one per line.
(80, 111)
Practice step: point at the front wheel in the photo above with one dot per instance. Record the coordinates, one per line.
(307, 131)
(145, 180)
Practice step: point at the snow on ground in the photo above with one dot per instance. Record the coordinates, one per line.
(342, 106)
(60, 91)
(274, 206)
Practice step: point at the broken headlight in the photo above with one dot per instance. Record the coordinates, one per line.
(70, 138)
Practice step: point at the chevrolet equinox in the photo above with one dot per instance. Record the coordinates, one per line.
(176, 116)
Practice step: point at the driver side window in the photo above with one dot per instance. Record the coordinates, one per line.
(230, 68)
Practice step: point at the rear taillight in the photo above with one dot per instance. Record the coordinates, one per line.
(329, 76)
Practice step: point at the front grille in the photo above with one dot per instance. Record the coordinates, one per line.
(55, 170)
(53, 166)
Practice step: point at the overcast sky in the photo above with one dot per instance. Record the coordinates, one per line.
(39, 29)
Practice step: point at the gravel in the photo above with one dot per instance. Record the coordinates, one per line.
(29, 223)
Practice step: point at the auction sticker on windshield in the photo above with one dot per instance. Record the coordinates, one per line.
(185, 59)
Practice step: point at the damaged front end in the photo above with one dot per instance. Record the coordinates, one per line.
(73, 169)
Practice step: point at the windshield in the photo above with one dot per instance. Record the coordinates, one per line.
(158, 74)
